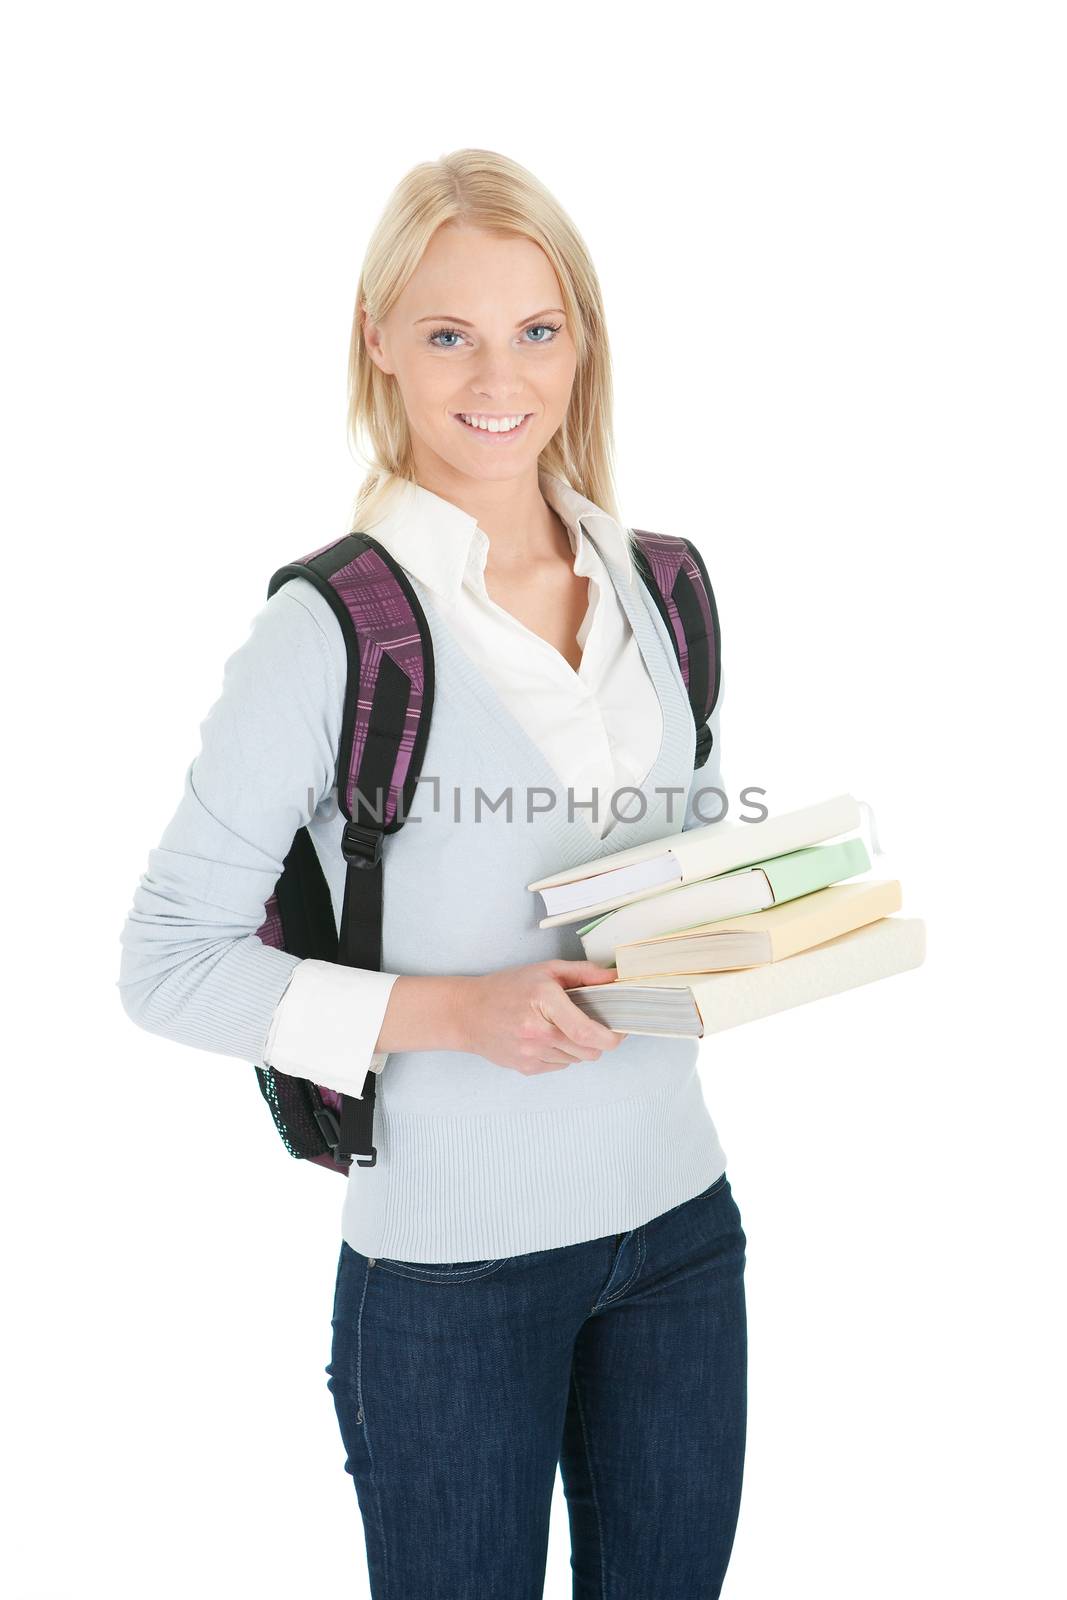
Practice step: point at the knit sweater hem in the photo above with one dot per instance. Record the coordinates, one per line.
(479, 1188)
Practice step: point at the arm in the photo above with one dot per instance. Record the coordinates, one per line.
(192, 967)
(345, 1020)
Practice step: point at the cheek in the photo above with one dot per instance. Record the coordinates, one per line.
(564, 363)
(559, 377)
(425, 387)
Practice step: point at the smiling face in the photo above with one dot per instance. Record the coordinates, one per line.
(478, 333)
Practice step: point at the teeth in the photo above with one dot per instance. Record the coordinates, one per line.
(494, 424)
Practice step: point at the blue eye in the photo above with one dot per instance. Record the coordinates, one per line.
(454, 333)
(550, 327)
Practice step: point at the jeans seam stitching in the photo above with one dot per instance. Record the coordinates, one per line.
(637, 1267)
(592, 1477)
(366, 1432)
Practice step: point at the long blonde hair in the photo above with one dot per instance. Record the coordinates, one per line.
(483, 189)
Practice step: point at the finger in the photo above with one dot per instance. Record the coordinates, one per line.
(555, 1039)
(573, 973)
(574, 1023)
(556, 1059)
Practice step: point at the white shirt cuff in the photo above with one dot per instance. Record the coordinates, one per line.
(326, 1023)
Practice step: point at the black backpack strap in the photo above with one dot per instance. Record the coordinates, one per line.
(385, 724)
(677, 579)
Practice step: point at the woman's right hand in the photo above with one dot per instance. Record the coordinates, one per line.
(520, 1017)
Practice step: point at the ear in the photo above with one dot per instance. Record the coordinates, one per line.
(372, 338)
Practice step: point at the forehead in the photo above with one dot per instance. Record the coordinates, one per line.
(472, 274)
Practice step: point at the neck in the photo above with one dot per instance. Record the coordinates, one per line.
(521, 527)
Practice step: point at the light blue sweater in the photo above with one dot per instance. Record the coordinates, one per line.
(475, 1161)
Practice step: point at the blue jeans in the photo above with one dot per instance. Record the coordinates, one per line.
(460, 1387)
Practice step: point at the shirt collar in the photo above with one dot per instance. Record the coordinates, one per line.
(438, 543)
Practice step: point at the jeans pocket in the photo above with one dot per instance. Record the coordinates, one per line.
(441, 1271)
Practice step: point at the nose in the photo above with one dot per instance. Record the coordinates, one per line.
(499, 377)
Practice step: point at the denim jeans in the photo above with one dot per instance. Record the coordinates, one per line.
(460, 1387)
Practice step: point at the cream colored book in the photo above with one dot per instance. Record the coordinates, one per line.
(622, 876)
(761, 936)
(690, 1007)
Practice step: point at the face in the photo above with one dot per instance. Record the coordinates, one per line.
(479, 332)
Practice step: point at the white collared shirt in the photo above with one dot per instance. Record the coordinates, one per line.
(599, 727)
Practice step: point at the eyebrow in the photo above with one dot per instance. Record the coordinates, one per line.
(550, 312)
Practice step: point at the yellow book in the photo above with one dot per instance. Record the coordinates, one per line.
(760, 937)
(691, 1007)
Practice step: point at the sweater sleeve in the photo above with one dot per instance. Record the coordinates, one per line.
(193, 968)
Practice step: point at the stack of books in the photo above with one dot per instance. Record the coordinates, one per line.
(728, 922)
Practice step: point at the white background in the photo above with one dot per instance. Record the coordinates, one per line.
(831, 241)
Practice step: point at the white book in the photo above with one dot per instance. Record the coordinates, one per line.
(734, 895)
(576, 893)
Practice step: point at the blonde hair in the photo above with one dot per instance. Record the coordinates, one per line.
(479, 188)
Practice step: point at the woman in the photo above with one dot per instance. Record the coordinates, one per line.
(546, 1264)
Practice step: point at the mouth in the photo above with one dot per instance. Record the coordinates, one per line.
(502, 430)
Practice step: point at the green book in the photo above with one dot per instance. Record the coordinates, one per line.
(803, 871)
(753, 887)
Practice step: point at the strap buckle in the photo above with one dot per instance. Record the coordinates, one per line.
(361, 844)
(329, 1127)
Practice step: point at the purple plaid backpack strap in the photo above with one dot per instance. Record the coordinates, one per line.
(385, 724)
(388, 699)
(674, 571)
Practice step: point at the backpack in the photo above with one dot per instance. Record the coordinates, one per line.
(384, 728)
